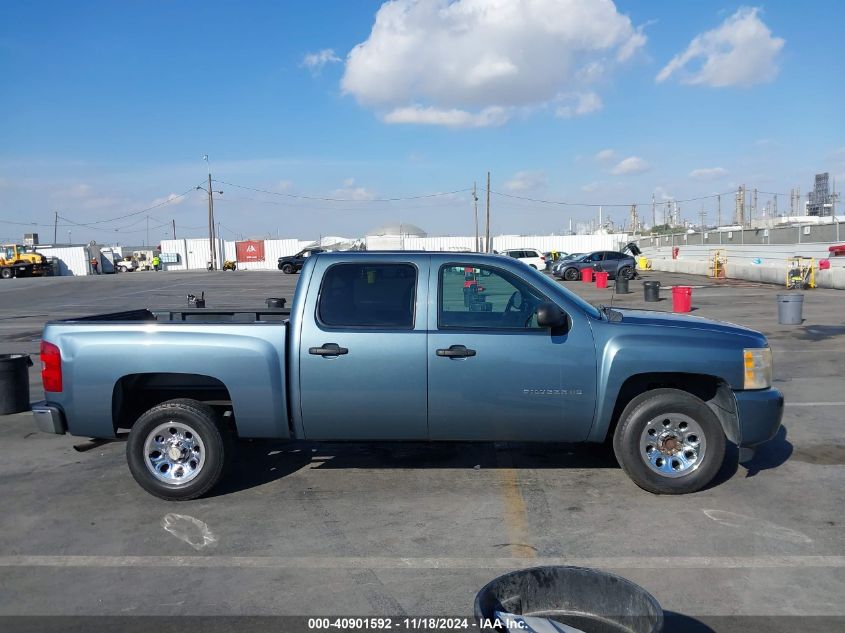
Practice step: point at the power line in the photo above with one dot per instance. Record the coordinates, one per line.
(590, 204)
(323, 199)
(293, 205)
(134, 213)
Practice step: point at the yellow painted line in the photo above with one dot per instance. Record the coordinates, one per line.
(515, 511)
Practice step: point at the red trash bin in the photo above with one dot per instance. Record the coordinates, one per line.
(681, 299)
(587, 275)
(601, 279)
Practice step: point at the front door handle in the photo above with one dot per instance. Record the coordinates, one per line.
(328, 349)
(456, 351)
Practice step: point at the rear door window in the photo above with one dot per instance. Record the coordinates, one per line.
(368, 295)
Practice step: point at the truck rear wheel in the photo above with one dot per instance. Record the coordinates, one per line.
(669, 442)
(178, 450)
(287, 269)
(7, 273)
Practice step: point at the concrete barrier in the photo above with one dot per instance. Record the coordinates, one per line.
(763, 273)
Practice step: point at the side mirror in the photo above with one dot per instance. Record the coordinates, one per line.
(551, 316)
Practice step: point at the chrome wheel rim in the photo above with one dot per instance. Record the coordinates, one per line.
(174, 453)
(673, 445)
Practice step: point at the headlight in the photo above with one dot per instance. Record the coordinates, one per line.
(758, 368)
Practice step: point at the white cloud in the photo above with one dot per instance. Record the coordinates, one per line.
(79, 191)
(173, 199)
(526, 181)
(488, 117)
(474, 63)
(315, 61)
(605, 155)
(629, 166)
(579, 104)
(350, 191)
(708, 173)
(740, 51)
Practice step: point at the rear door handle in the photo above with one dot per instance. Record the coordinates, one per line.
(328, 349)
(456, 351)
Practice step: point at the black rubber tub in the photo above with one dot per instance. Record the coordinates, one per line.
(589, 600)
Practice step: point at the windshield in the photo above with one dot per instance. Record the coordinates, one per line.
(557, 290)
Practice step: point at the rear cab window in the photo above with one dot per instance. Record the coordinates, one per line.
(362, 295)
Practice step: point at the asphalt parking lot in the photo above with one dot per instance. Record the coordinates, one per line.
(386, 529)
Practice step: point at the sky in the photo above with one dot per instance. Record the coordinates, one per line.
(333, 117)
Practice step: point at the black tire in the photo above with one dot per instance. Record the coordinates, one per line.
(570, 274)
(205, 425)
(633, 424)
(287, 269)
(7, 273)
(626, 272)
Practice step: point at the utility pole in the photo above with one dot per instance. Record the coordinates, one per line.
(147, 243)
(56, 228)
(703, 215)
(487, 248)
(719, 211)
(174, 229)
(653, 213)
(475, 209)
(211, 246)
(634, 220)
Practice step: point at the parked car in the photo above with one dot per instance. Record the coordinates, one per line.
(557, 269)
(399, 346)
(126, 265)
(613, 262)
(552, 257)
(529, 256)
(294, 263)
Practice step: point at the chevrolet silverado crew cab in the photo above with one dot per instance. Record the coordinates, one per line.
(411, 346)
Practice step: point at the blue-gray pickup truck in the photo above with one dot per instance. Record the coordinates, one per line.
(411, 346)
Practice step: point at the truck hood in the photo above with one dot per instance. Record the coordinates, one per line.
(667, 319)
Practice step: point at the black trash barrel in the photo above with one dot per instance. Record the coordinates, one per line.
(273, 302)
(621, 285)
(583, 598)
(651, 290)
(14, 383)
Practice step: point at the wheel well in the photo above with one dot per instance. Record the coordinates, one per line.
(136, 393)
(714, 391)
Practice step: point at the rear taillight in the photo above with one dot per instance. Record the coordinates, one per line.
(542, 257)
(51, 367)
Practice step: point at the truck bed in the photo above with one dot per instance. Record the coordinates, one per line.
(237, 354)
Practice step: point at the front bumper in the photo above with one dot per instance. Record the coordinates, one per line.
(760, 412)
(49, 418)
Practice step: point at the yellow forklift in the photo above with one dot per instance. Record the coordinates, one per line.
(18, 261)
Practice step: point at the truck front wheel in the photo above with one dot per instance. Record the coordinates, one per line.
(669, 442)
(287, 269)
(178, 449)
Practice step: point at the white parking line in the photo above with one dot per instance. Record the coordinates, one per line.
(380, 562)
(814, 404)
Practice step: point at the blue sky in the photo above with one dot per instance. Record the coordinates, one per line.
(108, 108)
